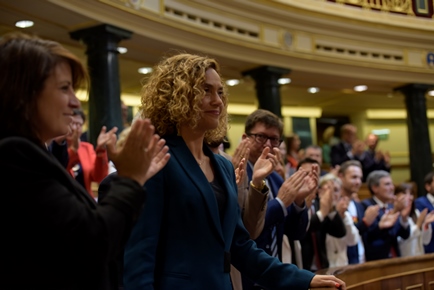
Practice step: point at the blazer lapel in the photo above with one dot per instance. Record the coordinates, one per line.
(180, 152)
(226, 176)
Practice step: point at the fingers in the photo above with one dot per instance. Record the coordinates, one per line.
(265, 152)
(103, 130)
(111, 147)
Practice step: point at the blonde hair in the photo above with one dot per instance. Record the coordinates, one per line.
(174, 92)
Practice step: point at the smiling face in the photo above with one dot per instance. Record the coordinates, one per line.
(256, 147)
(212, 104)
(351, 180)
(55, 104)
(384, 191)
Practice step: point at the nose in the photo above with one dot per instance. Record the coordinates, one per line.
(74, 102)
(216, 99)
(268, 143)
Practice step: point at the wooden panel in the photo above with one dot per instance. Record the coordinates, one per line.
(392, 283)
(429, 280)
(409, 273)
(413, 282)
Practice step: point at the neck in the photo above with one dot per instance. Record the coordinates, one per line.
(194, 142)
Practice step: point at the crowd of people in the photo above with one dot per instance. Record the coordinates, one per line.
(173, 210)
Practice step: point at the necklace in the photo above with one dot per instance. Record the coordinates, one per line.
(200, 163)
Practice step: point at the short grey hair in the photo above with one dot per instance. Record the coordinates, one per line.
(374, 178)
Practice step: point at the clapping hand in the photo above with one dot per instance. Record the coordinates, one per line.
(104, 137)
(388, 220)
(142, 155)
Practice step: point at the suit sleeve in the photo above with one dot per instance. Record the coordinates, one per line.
(254, 211)
(56, 204)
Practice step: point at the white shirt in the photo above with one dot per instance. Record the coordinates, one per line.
(337, 247)
(413, 245)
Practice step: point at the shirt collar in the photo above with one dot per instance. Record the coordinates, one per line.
(379, 202)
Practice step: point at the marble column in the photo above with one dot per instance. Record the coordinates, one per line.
(102, 59)
(267, 87)
(418, 133)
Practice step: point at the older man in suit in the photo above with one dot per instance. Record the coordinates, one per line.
(392, 221)
(427, 201)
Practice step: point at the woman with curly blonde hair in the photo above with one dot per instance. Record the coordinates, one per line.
(190, 230)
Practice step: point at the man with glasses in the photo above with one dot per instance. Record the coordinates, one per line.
(286, 210)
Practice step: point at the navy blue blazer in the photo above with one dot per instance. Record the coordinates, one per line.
(294, 225)
(421, 203)
(180, 242)
(379, 242)
(353, 251)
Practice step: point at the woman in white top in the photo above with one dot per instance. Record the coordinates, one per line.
(337, 247)
(420, 225)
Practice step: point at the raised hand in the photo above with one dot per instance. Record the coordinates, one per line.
(240, 172)
(242, 151)
(326, 198)
(428, 219)
(104, 137)
(310, 184)
(421, 218)
(342, 205)
(280, 166)
(72, 139)
(288, 192)
(388, 220)
(371, 214)
(141, 146)
(159, 160)
(264, 166)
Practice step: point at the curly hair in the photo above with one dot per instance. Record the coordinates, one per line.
(173, 94)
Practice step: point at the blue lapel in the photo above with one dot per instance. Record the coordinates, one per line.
(180, 152)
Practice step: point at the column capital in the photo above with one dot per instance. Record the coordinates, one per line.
(93, 32)
(267, 70)
(405, 89)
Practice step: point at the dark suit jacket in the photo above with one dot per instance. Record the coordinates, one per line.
(421, 203)
(378, 242)
(294, 225)
(318, 230)
(54, 234)
(338, 154)
(353, 251)
(180, 241)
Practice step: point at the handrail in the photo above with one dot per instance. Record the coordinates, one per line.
(396, 273)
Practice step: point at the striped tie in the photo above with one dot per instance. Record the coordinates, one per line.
(273, 247)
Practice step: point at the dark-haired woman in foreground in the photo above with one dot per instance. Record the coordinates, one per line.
(54, 235)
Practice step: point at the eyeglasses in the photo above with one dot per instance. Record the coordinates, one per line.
(260, 138)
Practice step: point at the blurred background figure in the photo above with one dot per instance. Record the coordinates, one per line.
(420, 227)
(87, 164)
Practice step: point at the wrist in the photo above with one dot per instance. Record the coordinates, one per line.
(257, 186)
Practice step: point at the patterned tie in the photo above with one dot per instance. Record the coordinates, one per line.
(273, 246)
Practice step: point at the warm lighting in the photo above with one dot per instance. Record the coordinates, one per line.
(122, 50)
(284, 81)
(24, 23)
(233, 82)
(360, 88)
(431, 93)
(313, 90)
(145, 70)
